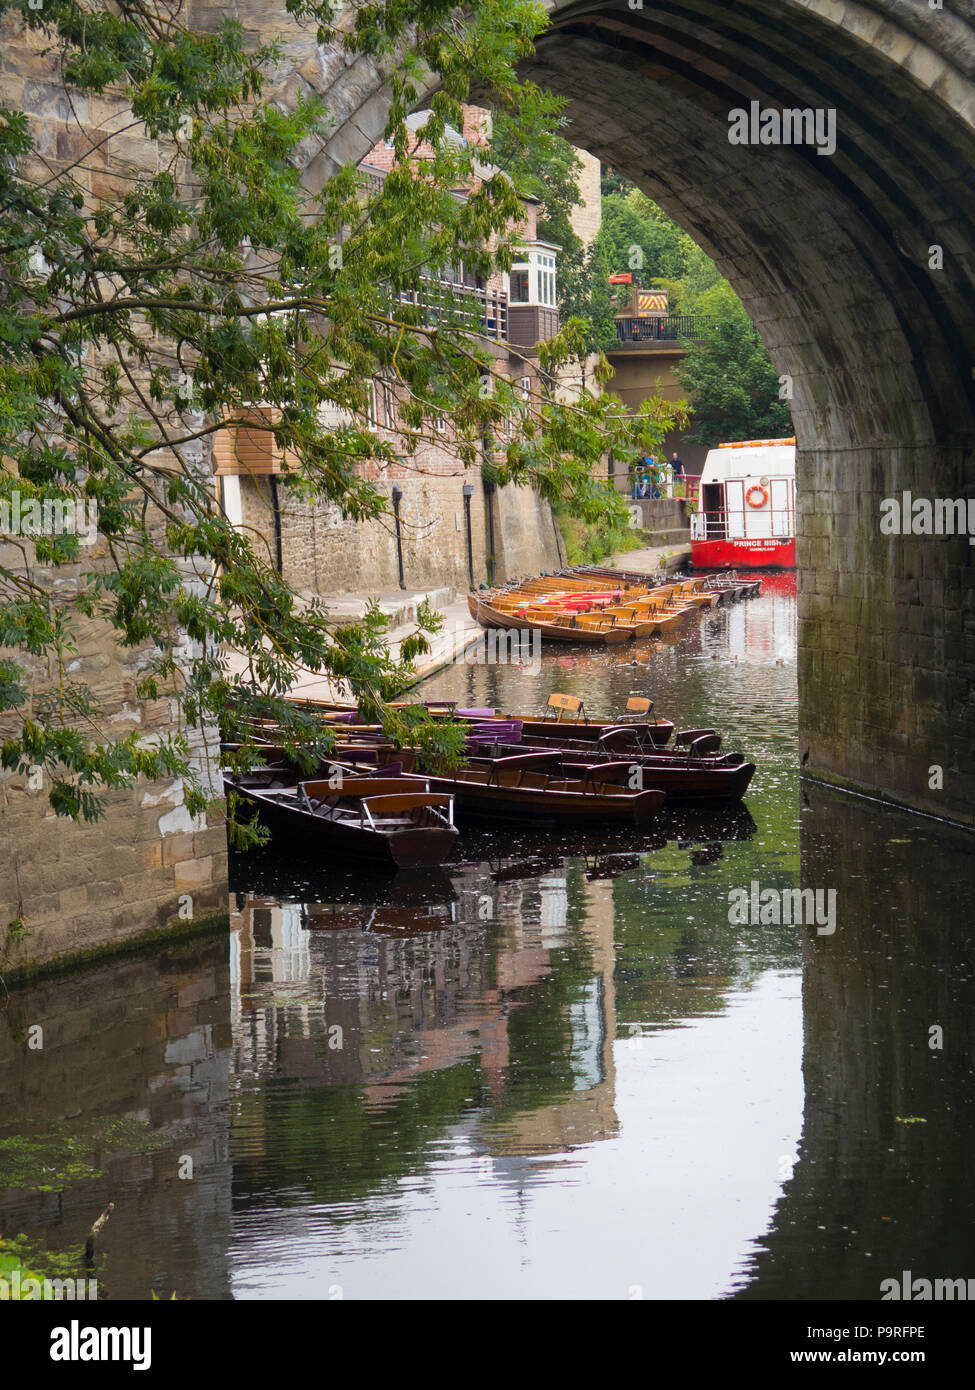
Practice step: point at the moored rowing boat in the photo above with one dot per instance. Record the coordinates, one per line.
(386, 820)
(683, 779)
(554, 627)
(535, 786)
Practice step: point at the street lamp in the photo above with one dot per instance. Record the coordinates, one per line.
(468, 494)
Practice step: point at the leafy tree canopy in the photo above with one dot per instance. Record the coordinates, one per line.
(730, 377)
(135, 324)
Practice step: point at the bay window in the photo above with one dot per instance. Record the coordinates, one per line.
(532, 279)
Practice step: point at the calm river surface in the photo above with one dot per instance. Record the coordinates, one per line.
(553, 1070)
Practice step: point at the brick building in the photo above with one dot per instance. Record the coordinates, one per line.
(447, 527)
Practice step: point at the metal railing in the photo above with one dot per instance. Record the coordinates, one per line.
(481, 311)
(722, 525)
(684, 486)
(662, 330)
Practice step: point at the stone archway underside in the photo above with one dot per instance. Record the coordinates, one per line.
(831, 256)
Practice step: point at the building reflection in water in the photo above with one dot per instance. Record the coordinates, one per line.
(423, 976)
(393, 1037)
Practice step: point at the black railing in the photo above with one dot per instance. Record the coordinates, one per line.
(668, 330)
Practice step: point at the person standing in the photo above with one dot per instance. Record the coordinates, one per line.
(677, 465)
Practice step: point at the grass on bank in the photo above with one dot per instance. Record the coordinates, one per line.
(587, 544)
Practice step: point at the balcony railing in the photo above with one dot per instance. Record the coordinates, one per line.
(684, 487)
(646, 332)
(480, 311)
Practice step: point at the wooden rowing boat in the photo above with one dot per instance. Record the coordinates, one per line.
(535, 787)
(683, 778)
(386, 820)
(554, 628)
(568, 713)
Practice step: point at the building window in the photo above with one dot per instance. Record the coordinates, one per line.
(533, 281)
(231, 500)
(520, 292)
(545, 271)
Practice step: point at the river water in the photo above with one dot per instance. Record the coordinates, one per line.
(556, 1069)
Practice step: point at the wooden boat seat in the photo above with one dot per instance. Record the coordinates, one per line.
(685, 736)
(639, 704)
(618, 740)
(355, 787)
(565, 704)
(612, 774)
(523, 763)
(707, 743)
(407, 801)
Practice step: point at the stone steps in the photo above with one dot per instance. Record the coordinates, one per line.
(400, 608)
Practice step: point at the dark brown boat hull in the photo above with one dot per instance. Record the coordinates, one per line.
(681, 780)
(295, 830)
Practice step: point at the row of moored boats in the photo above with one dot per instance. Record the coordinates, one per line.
(372, 800)
(601, 606)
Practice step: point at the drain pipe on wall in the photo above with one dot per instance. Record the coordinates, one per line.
(468, 494)
(276, 509)
(397, 494)
(489, 485)
(489, 508)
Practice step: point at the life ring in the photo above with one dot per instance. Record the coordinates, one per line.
(762, 498)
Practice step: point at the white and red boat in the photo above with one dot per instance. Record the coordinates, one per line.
(746, 516)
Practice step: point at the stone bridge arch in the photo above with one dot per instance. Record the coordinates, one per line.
(831, 255)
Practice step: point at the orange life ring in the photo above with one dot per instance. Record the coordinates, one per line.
(763, 495)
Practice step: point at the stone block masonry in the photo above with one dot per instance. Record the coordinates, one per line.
(146, 865)
(887, 637)
(322, 553)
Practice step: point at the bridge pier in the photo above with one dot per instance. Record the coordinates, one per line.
(887, 631)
